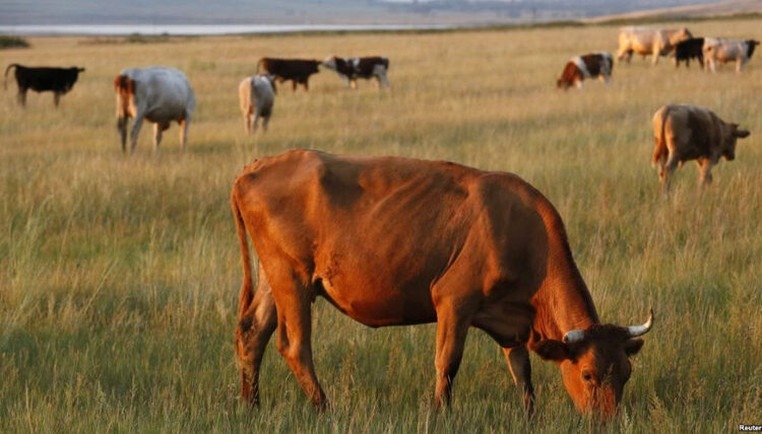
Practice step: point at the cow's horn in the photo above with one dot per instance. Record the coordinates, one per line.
(639, 330)
(574, 336)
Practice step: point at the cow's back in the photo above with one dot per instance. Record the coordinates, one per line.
(379, 232)
(165, 92)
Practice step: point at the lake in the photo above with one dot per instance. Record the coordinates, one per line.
(192, 29)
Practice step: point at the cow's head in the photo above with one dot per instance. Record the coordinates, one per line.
(751, 44)
(732, 135)
(595, 364)
(330, 62)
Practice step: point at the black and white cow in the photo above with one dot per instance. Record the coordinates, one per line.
(352, 68)
(586, 66)
(41, 79)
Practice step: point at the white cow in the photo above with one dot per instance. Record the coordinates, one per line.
(645, 41)
(727, 50)
(157, 94)
(257, 97)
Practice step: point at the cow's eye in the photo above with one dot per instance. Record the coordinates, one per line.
(587, 376)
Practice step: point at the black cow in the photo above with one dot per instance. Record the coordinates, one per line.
(41, 79)
(296, 70)
(352, 68)
(689, 49)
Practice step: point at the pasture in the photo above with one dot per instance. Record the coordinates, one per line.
(119, 275)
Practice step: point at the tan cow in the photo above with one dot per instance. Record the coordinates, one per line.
(394, 241)
(688, 132)
(256, 96)
(645, 41)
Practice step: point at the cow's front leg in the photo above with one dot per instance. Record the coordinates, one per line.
(521, 371)
(705, 171)
(452, 327)
(136, 126)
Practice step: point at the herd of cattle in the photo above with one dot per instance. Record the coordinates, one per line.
(357, 231)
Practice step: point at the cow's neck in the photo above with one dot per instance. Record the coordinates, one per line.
(563, 302)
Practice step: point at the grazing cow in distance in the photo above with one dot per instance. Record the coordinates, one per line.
(587, 66)
(43, 78)
(395, 241)
(257, 97)
(689, 132)
(688, 49)
(352, 68)
(157, 94)
(728, 50)
(296, 70)
(645, 41)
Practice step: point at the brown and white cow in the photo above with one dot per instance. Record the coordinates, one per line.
(728, 50)
(43, 78)
(352, 68)
(296, 70)
(157, 94)
(395, 241)
(645, 41)
(256, 95)
(579, 68)
(689, 132)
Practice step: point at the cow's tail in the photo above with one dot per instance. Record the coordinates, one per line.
(660, 140)
(5, 77)
(247, 287)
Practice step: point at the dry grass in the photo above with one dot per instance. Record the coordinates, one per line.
(119, 275)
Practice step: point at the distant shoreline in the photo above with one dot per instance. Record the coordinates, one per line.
(204, 30)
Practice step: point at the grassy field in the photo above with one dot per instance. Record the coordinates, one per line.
(119, 275)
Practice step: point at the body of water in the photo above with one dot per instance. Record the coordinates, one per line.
(191, 29)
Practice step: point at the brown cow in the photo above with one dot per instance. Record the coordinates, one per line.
(394, 241)
(688, 132)
(296, 70)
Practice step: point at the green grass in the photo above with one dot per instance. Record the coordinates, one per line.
(119, 276)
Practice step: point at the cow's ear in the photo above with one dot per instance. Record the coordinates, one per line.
(551, 349)
(632, 346)
(742, 133)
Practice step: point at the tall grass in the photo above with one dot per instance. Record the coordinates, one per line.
(119, 275)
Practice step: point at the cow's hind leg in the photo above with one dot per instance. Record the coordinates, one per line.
(257, 322)
(21, 96)
(521, 371)
(184, 124)
(705, 171)
(56, 98)
(666, 169)
(293, 301)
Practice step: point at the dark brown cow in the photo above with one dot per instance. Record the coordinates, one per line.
(296, 70)
(352, 68)
(42, 79)
(689, 49)
(579, 68)
(394, 241)
(687, 132)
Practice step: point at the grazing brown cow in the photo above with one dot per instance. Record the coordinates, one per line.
(296, 70)
(580, 68)
(394, 241)
(688, 132)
